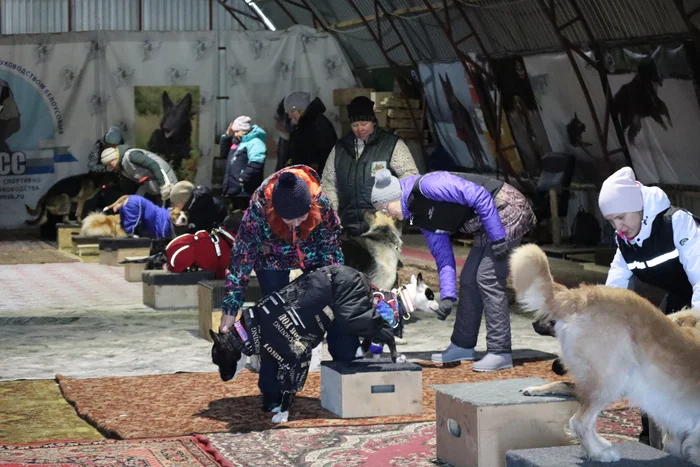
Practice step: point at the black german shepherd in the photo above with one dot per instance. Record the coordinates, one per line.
(173, 139)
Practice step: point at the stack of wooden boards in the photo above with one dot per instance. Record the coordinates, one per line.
(392, 110)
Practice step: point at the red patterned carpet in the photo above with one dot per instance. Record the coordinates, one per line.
(186, 403)
(192, 451)
(408, 445)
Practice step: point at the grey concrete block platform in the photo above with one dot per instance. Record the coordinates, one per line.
(633, 455)
(478, 422)
(169, 290)
(371, 388)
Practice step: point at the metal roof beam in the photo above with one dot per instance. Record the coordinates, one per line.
(373, 18)
(549, 9)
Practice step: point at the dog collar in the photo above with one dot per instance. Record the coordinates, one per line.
(406, 302)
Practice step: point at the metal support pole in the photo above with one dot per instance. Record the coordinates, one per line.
(687, 17)
(304, 5)
(471, 69)
(232, 12)
(70, 15)
(286, 11)
(599, 64)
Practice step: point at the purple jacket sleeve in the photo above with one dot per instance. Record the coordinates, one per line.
(444, 186)
(441, 249)
(131, 214)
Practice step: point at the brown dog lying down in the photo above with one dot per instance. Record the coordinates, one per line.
(616, 346)
(688, 319)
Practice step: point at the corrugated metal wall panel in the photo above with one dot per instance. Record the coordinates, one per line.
(34, 16)
(175, 15)
(91, 15)
(46, 16)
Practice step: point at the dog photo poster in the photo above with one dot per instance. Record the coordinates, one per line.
(167, 123)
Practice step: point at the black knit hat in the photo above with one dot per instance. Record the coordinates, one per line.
(291, 196)
(361, 109)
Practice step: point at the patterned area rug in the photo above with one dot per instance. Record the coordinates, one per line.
(409, 445)
(193, 451)
(181, 404)
(36, 256)
(36, 411)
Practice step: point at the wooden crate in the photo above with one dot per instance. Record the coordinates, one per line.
(343, 96)
(65, 233)
(403, 123)
(478, 422)
(410, 134)
(380, 97)
(399, 113)
(398, 102)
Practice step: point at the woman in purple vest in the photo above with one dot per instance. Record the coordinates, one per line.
(498, 215)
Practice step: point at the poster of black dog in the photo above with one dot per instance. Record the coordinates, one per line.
(167, 122)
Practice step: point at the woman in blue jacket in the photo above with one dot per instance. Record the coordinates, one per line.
(246, 160)
(498, 215)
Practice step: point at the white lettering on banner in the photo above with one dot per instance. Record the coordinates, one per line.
(654, 261)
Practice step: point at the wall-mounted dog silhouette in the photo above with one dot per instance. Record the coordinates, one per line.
(173, 139)
(639, 99)
(466, 130)
(9, 115)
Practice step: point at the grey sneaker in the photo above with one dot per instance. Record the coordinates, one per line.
(453, 353)
(494, 362)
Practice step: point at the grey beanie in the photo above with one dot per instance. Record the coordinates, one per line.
(113, 136)
(297, 100)
(386, 187)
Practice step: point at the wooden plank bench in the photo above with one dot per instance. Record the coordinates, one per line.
(84, 244)
(115, 250)
(171, 290)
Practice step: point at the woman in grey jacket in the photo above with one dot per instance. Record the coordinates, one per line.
(154, 176)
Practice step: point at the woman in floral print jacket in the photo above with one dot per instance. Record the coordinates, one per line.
(289, 224)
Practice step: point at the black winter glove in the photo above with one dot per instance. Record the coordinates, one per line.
(384, 335)
(445, 308)
(500, 249)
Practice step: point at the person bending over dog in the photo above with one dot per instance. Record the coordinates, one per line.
(657, 243)
(498, 216)
(154, 176)
(290, 224)
(142, 218)
(286, 325)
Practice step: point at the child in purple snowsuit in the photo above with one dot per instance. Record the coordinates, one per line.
(498, 215)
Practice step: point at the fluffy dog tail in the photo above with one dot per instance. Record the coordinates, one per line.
(98, 224)
(532, 279)
(39, 211)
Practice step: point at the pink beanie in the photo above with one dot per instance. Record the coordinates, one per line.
(242, 123)
(621, 193)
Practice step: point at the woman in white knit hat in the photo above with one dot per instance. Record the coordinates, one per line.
(243, 145)
(657, 243)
